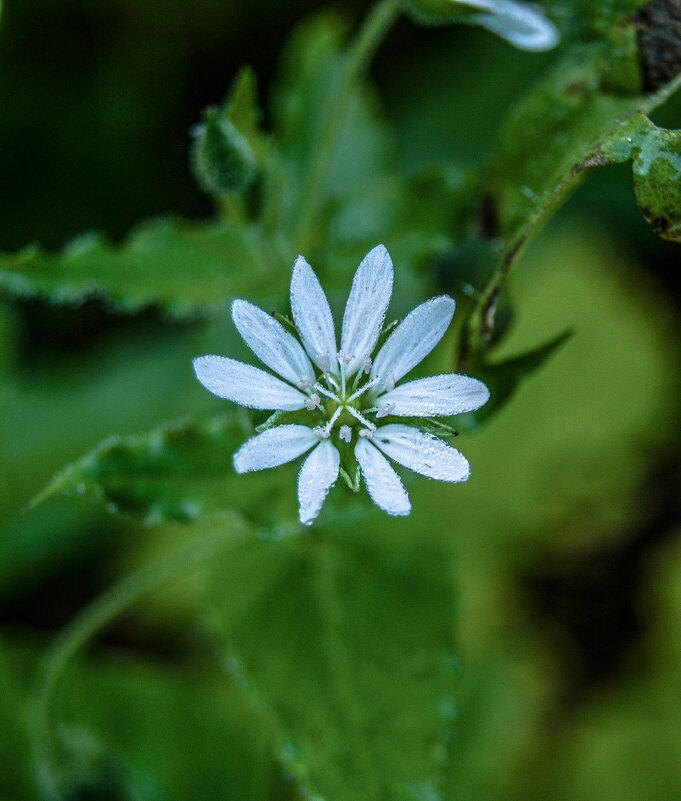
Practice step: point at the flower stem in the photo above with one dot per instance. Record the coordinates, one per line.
(357, 58)
(129, 591)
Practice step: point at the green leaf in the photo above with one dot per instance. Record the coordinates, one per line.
(504, 378)
(348, 642)
(656, 156)
(187, 269)
(178, 471)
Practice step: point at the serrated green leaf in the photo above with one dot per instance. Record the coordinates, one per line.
(188, 269)
(178, 471)
(348, 643)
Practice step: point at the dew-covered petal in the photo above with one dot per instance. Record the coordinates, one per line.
(273, 447)
(521, 24)
(317, 475)
(435, 396)
(414, 338)
(422, 453)
(247, 385)
(365, 310)
(382, 482)
(271, 342)
(312, 315)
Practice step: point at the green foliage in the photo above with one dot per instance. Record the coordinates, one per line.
(355, 712)
(342, 636)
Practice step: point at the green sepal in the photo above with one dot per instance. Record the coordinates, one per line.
(386, 331)
(288, 324)
(352, 481)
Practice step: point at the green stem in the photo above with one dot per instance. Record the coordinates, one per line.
(357, 58)
(100, 613)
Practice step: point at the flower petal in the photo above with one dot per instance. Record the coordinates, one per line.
(318, 473)
(521, 24)
(271, 342)
(422, 453)
(312, 314)
(382, 482)
(414, 338)
(273, 447)
(247, 385)
(366, 307)
(436, 395)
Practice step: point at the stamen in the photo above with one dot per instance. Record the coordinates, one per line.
(358, 416)
(384, 411)
(365, 432)
(345, 433)
(327, 428)
(319, 388)
(367, 365)
(389, 382)
(305, 381)
(321, 431)
(323, 361)
(312, 402)
(331, 381)
(343, 360)
(363, 389)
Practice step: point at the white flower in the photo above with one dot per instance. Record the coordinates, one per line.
(521, 24)
(337, 399)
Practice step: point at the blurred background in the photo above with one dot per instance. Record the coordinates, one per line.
(566, 538)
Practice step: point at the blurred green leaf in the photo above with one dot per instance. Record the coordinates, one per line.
(153, 727)
(178, 471)
(305, 94)
(188, 269)
(349, 642)
(88, 770)
(503, 378)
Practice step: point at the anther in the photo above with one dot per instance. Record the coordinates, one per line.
(345, 433)
(323, 361)
(312, 402)
(366, 432)
(305, 381)
(343, 358)
(367, 365)
(384, 411)
(321, 431)
(389, 382)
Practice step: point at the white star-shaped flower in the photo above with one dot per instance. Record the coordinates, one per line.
(338, 400)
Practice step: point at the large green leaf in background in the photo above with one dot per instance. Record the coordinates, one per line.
(165, 733)
(347, 639)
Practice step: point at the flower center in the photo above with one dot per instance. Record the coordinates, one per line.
(343, 405)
